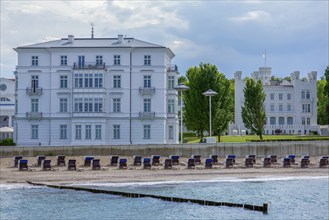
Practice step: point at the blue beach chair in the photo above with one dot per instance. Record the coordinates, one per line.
(208, 163)
(175, 159)
(23, 165)
(87, 161)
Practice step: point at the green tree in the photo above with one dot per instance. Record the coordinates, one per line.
(326, 96)
(196, 105)
(322, 102)
(253, 112)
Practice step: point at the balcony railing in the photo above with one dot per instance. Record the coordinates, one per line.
(147, 115)
(172, 68)
(146, 90)
(78, 65)
(34, 115)
(33, 91)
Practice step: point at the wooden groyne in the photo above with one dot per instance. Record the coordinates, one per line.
(263, 208)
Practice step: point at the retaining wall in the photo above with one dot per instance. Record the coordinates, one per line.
(299, 148)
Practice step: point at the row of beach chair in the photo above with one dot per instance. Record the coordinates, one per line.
(147, 162)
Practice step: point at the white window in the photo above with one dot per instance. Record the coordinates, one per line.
(290, 120)
(63, 105)
(272, 107)
(171, 82)
(63, 81)
(78, 80)
(281, 120)
(147, 60)
(63, 60)
(116, 131)
(171, 132)
(116, 81)
(35, 131)
(308, 96)
(35, 60)
(78, 105)
(98, 104)
(147, 105)
(280, 108)
(117, 105)
(280, 96)
(63, 132)
(306, 108)
(78, 132)
(88, 80)
(34, 105)
(87, 132)
(171, 105)
(303, 94)
(98, 80)
(308, 121)
(289, 108)
(147, 81)
(98, 132)
(272, 120)
(147, 131)
(116, 60)
(99, 60)
(303, 121)
(289, 96)
(81, 63)
(88, 105)
(272, 96)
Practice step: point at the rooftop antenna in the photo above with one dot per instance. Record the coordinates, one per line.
(92, 30)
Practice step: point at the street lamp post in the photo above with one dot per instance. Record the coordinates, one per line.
(181, 88)
(210, 93)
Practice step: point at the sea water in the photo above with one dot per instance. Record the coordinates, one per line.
(287, 198)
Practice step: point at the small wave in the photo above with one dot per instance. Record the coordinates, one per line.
(11, 186)
(229, 179)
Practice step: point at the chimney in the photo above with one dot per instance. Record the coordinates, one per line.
(70, 39)
(120, 36)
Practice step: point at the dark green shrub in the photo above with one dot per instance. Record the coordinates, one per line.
(7, 142)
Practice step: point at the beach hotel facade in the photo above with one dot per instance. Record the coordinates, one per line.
(95, 91)
(290, 105)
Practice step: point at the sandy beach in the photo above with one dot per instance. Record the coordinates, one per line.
(60, 175)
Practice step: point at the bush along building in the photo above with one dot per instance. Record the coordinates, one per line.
(290, 105)
(95, 91)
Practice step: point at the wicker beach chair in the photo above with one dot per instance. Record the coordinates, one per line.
(248, 162)
(155, 160)
(46, 165)
(197, 159)
(292, 157)
(71, 165)
(229, 162)
(122, 164)
(231, 156)
(16, 159)
(40, 158)
(208, 162)
(304, 163)
(167, 164)
(323, 162)
(137, 160)
(95, 164)
(274, 159)
(190, 163)
(60, 160)
(286, 162)
(214, 158)
(23, 165)
(87, 161)
(266, 162)
(114, 160)
(253, 158)
(146, 163)
(175, 159)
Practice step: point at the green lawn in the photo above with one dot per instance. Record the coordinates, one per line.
(254, 137)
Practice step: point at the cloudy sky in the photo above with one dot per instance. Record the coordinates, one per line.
(229, 34)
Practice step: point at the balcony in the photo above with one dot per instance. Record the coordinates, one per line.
(172, 68)
(146, 90)
(33, 91)
(146, 115)
(34, 115)
(78, 65)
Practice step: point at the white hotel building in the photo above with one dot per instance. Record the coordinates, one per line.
(290, 106)
(95, 91)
